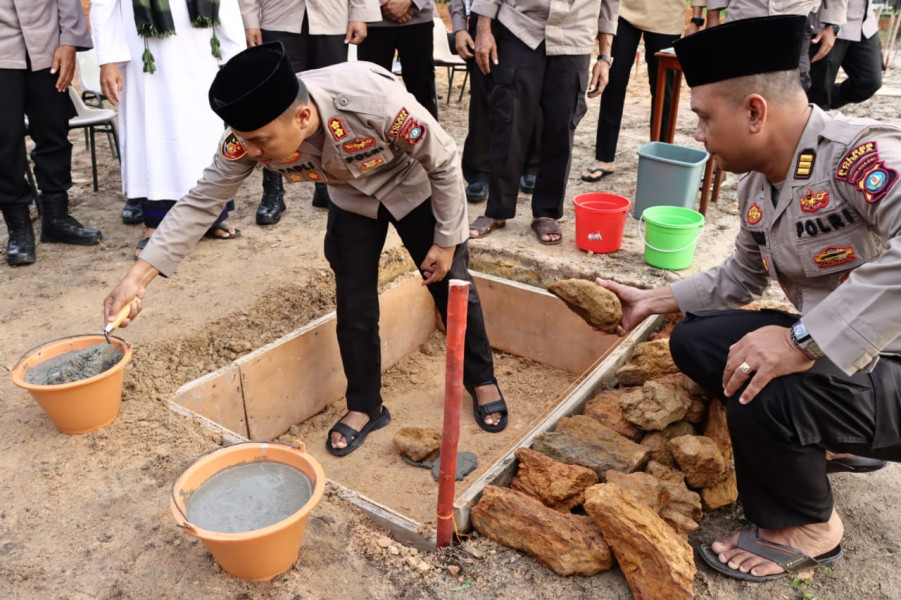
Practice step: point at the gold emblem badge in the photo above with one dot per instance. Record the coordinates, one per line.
(833, 255)
(754, 214)
(811, 202)
(372, 162)
(232, 148)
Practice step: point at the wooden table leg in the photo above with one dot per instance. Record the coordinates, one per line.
(673, 105)
(657, 112)
(705, 187)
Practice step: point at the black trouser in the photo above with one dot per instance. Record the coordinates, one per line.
(476, 159)
(33, 93)
(353, 244)
(528, 83)
(780, 438)
(613, 99)
(307, 51)
(861, 61)
(414, 47)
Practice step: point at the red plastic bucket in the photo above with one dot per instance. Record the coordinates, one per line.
(600, 221)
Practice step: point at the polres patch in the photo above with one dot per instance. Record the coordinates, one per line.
(754, 214)
(861, 152)
(412, 132)
(336, 127)
(877, 182)
(399, 120)
(232, 148)
(834, 255)
(811, 202)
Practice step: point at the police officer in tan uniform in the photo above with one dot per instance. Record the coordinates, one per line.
(386, 160)
(820, 215)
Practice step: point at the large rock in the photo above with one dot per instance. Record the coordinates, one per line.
(604, 408)
(580, 440)
(643, 487)
(679, 522)
(555, 484)
(598, 306)
(700, 460)
(657, 442)
(657, 562)
(566, 544)
(656, 407)
(717, 429)
(693, 394)
(680, 499)
(418, 443)
(723, 493)
(649, 360)
(664, 473)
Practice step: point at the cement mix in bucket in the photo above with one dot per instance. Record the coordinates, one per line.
(247, 497)
(74, 365)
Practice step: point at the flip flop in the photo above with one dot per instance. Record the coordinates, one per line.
(485, 225)
(546, 226)
(211, 232)
(355, 438)
(790, 559)
(480, 412)
(142, 243)
(594, 177)
(854, 464)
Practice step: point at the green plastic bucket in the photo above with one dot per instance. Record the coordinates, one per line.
(668, 175)
(670, 235)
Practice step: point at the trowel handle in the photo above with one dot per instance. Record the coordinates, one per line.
(123, 312)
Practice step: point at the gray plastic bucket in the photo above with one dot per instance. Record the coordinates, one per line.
(668, 175)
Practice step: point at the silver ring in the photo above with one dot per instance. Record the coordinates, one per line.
(745, 368)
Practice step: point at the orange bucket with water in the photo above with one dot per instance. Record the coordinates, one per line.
(600, 221)
(258, 554)
(80, 406)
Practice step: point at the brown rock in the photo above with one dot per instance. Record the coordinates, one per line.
(680, 499)
(720, 494)
(580, 440)
(643, 487)
(664, 473)
(604, 408)
(649, 360)
(656, 561)
(598, 306)
(696, 399)
(655, 408)
(679, 522)
(657, 442)
(566, 544)
(717, 429)
(700, 460)
(555, 484)
(418, 443)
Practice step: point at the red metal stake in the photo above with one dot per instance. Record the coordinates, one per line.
(457, 304)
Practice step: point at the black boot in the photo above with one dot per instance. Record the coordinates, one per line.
(20, 249)
(132, 212)
(58, 226)
(272, 204)
(320, 196)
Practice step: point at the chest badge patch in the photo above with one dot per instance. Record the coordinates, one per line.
(805, 163)
(295, 156)
(232, 148)
(811, 202)
(399, 119)
(834, 255)
(314, 176)
(358, 144)
(372, 162)
(337, 128)
(293, 177)
(754, 214)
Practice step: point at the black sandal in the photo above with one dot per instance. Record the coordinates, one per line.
(355, 438)
(480, 412)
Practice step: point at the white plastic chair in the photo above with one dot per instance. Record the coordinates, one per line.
(89, 78)
(443, 57)
(94, 120)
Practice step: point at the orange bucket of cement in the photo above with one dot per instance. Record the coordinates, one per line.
(249, 503)
(85, 404)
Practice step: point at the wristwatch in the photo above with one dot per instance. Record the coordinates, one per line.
(606, 59)
(836, 28)
(802, 339)
(699, 21)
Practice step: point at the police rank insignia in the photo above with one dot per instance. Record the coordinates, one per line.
(398, 122)
(831, 256)
(754, 214)
(337, 128)
(293, 177)
(811, 202)
(295, 156)
(863, 168)
(412, 132)
(372, 162)
(805, 163)
(232, 148)
(358, 144)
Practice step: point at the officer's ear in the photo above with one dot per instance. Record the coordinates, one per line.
(303, 114)
(756, 109)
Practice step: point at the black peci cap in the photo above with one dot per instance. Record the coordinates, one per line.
(740, 48)
(254, 87)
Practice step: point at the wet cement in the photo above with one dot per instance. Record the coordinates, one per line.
(74, 365)
(466, 464)
(247, 497)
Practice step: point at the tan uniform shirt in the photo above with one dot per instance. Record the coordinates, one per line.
(657, 16)
(833, 241)
(37, 28)
(380, 146)
(326, 17)
(861, 22)
(831, 11)
(565, 27)
(423, 12)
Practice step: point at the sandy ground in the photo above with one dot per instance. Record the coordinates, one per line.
(87, 517)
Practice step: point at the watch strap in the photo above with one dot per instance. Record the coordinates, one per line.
(607, 59)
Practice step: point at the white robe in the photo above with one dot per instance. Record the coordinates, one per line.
(168, 133)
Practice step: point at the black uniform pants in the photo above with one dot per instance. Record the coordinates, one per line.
(780, 438)
(353, 244)
(414, 46)
(33, 93)
(307, 51)
(613, 98)
(528, 83)
(861, 61)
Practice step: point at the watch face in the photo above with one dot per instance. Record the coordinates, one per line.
(800, 332)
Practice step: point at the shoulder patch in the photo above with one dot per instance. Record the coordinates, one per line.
(232, 148)
(397, 123)
(867, 152)
(412, 132)
(863, 168)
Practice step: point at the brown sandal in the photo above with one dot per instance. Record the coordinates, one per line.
(546, 226)
(485, 225)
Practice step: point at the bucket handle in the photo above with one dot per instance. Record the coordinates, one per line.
(685, 247)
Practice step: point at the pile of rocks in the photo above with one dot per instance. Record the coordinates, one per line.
(627, 480)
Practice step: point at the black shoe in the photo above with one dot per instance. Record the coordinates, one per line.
(272, 204)
(320, 196)
(59, 227)
(477, 191)
(854, 464)
(527, 184)
(20, 249)
(132, 213)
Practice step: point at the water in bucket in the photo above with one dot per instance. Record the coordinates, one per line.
(670, 236)
(600, 221)
(249, 496)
